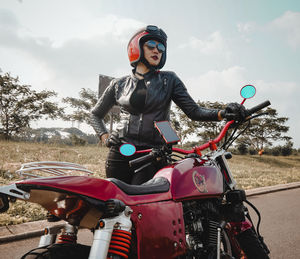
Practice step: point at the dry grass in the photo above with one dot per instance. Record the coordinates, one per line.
(13, 154)
(255, 171)
(249, 171)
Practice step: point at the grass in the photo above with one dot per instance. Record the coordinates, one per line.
(255, 171)
(249, 171)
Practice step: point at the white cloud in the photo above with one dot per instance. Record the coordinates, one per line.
(284, 98)
(215, 44)
(247, 27)
(223, 86)
(282, 94)
(66, 64)
(109, 27)
(289, 26)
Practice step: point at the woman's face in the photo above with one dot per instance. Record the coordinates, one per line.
(152, 55)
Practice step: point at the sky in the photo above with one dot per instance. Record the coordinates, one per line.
(214, 46)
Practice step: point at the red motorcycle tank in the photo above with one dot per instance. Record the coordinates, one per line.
(190, 179)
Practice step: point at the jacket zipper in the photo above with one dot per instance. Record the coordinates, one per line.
(147, 83)
(140, 126)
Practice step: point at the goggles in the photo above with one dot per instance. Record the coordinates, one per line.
(155, 29)
(151, 44)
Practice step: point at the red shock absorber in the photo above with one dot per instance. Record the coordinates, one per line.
(67, 239)
(68, 235)
(119, 244)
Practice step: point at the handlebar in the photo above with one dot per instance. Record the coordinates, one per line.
(142, 160)
(259, 107)
(211, 144)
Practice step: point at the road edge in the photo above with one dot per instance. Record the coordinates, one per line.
(269, 189)
(34, 229)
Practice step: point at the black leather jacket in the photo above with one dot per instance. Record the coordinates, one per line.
(136, 127)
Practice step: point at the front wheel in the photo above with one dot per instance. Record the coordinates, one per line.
(251, 245)
(59, 251)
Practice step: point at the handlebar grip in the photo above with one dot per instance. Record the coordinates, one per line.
(259, 107)
(141, 160)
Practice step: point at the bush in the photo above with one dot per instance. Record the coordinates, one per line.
(287, 149)
(252, 151)
(242, 149)
(276, 151)
(77, 141)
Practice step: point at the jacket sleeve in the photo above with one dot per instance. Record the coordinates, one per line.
(104, 104)
(186, 103)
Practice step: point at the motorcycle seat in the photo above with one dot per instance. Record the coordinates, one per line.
(155, 185)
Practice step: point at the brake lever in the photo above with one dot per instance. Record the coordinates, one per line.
(255, 116)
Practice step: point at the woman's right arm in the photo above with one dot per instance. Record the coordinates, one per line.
(104, 104)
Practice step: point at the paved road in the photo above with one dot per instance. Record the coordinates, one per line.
(280, 224)
(280, 227)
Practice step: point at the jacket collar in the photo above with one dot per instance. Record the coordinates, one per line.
(148, 75)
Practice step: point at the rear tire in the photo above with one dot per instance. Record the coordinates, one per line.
(59, 251)
(251, 245)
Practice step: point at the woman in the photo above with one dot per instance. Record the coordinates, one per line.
(145, 97)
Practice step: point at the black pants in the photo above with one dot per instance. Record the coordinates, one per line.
(117, 166)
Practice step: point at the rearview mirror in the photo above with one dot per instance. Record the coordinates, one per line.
(127, 149)
(248, 91)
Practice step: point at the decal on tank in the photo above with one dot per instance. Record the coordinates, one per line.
(199, 181)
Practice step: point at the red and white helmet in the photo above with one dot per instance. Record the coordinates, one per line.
(135, 45)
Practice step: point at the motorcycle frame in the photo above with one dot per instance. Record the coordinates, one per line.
(143, 209)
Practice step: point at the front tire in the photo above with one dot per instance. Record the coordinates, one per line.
(59, 251)
(251, 245)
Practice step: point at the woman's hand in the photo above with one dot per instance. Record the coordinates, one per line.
(111, 140)
(104, 138)
(234, 111)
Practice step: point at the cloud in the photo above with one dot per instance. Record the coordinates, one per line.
(288, 25)
(246, 29)
(215, 44)
(223, 86)
(75, 62)
(284, 97)
(8, 19)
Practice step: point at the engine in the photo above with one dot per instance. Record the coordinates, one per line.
(201, 228)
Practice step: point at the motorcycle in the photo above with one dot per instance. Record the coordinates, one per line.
(190, 209)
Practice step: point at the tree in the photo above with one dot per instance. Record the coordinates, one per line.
(266, 129)
(262, 132)
(205, 130)
(176, 118)
(81, 106)
(20, 105)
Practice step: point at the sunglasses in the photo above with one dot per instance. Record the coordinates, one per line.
(151, 44)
